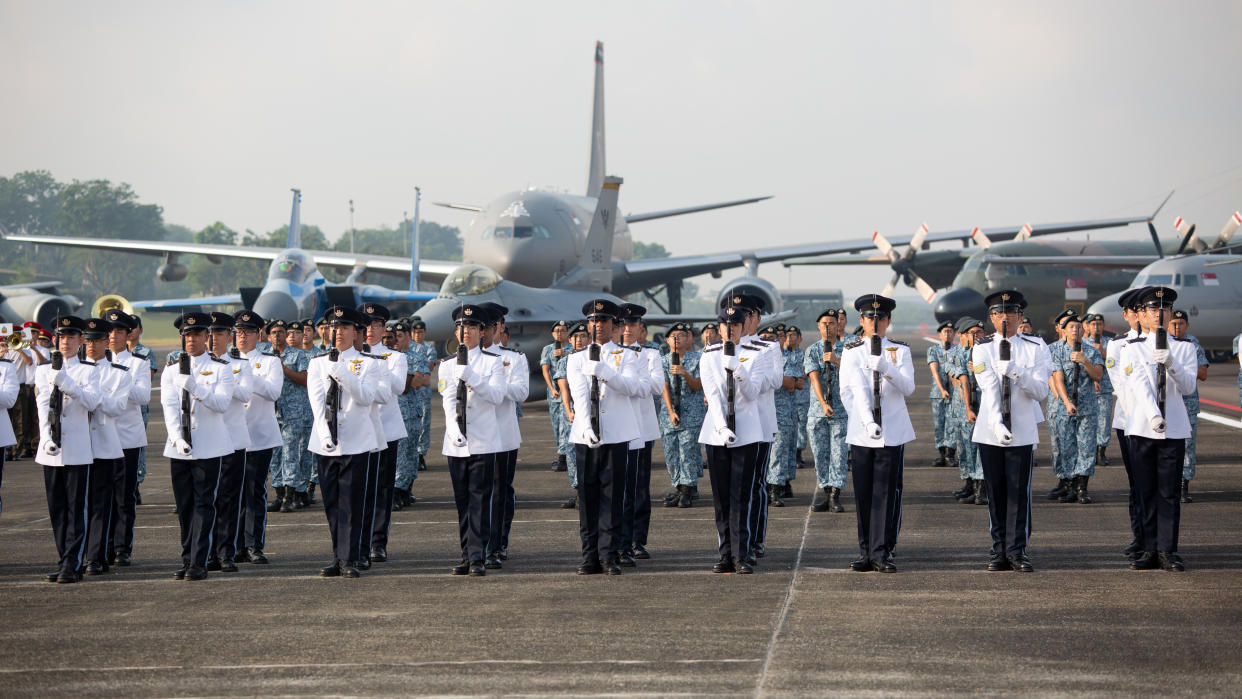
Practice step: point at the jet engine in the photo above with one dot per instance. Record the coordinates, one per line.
(171, 272)
(756, 287)
(19, 305)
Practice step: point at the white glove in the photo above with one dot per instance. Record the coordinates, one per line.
(469, 375)
(182, 446)
(328, 445)
(873, 430)
(881, 365)
(1003, 435)
(591, 438)
(339, 370)
(1157, 425)
(600, 370)
(1002, 365)
(54, 375)
(51, 449)
(727, 435)
(732, 363)
(184, 382)
(453, 434)
(1161, 356)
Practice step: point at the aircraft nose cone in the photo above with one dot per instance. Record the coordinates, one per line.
(958, 303)
(438, 315)
(273, 305)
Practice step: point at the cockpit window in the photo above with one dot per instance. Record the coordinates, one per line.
(519, 231)
(469, 280)
(1153, 280)
(294, 266)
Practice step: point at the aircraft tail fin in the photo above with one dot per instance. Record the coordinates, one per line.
(595, 175)
(295, 222)
(418, 195)
(594, 269)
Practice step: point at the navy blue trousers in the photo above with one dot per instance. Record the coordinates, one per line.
(124, 504)
(253, 521)
(473, 483)
(636, 502)
(1136, 517)
(504, 500)
(228, 506)
(342, 480)
(601, 490)
(1007, 476)
(758, 525)
(732, 473)
(879, 474)
(196, 484)
(1157, 465)
(379, 507)
(67, 504)
(99, 519)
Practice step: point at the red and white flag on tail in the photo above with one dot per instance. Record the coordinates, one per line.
(1075, 289)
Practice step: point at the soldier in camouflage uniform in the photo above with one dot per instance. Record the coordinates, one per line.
(679, 428)
(141, 351)
(308, 465)
(556, 409)
(419, 370)
(1093, 327)
(578, 339)
(293, 414)
(963, 404)
(826, 420)
(782, 463)
(418, 332)
(941, 393)
(1072, 413)
(1179, 324)
(802, 396)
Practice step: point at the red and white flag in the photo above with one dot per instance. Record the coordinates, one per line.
(1210, 279)
(1075, 289)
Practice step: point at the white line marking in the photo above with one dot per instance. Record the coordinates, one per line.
(425, 663)
(784, 614)
(1220, 419)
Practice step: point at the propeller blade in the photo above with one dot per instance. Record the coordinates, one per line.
(1227, 232)
(1182, 225)
(1155, 239)
(981, 239)
(925, 290)
(1025, 233)
(916, 242)
(1187, 231)
(1185, 240)
(884, 247)
(892, 284)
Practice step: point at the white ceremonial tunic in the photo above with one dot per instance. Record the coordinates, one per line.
(620, 382)
(857, 388)
(358, 377)
(1030, 367)
(211, 399)
(486, 386)
(1139, 375)
(81, 395)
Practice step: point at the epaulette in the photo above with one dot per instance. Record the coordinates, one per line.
(217, 359)
(638, 349)
(122, 367)
(1180, 339)
(715, 347)
(1132, 340)
(270, 354)
(488, 353)
(761, 341)
(752, 347)
(87, 362)
(984, 341)
(1026, 337)
(510, 349)
(171, 360)
(855, 343)
(5, 359)
(897, 342)
(713, 342)
(140, 353)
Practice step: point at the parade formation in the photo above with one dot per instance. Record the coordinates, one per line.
(340, 406)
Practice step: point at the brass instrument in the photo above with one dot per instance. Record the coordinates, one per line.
(18, 341)
(108, 302)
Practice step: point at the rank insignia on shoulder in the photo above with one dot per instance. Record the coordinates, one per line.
(896, 342)
(855, 343)
(217, 359)
(1110, 363)
(984, 341)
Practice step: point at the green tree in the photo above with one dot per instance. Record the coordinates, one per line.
(229, 274)
(649, 251)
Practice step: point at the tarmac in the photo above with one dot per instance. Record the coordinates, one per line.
(802, 625)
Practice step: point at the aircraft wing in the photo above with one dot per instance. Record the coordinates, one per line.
(431, 270)
(193, 302)
(48, 287)
(1075, 260)
(669, 319)
(640, 274)
(635, 218)
(382, 295)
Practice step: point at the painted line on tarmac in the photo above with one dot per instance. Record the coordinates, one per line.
(1221, 420)
(1217, 404)
(784, 613)
(424, 663)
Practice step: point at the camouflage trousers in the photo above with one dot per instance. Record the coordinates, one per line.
(407, 449)
(941, 423)
(782, 459)
(1076, 442)
(1189, 461)
(682, 456)
(802, 413)
(1103, 419)
(962, 432)
(424, 420)
(287, 459)
(560, 426)
(827, 439)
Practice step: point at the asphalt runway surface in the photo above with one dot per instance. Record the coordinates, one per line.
(802, 625)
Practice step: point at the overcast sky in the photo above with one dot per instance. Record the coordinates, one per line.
(856, 116)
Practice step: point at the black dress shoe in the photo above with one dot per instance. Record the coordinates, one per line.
(1171, 562)
(179, 574)
(1021, 563)
(759, 550)
(570, 504)
(94, 568)
(1132, 548)
(884, 565)
(124, 560)
(590, 568)
(364, 564)
(750, 559)
(1146, 560)
(242, 555)
(503, 553)
(228, 565)
(611, 568)
(257, 557)
(743, 568)
(477, 569)
(460, 569)
(492, 562)
(626, 560)
(196, 573)
(640, 552)
(68, 576)
(52, 576)
(724, 565)
(213, 563)
(379, 555)
(349, 569)
(862, 565)
(332, 570)
(671, 499)
(999, 562)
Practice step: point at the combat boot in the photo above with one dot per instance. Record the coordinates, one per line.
(422, 463)
(787, 491)
(286, 505)
(819, 503)
(302, 500)
(834, 500)
(562, 464)
(671, 498)
(1186, 491)
(774, 496)
(683, 496)
(1080, 483)
(274, 505)
(981, 493)
(1059, 490)
(310, 495)
(1099, 457)
(962, 491)
(1071, 490)
(968, 492)
(942, 459)
(951, 456)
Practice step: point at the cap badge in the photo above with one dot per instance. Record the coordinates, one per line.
(64, 321)
(1159, 293)
(1004, 297)
(875, 304)
(468, 312)
(188, 321)
(339, 312)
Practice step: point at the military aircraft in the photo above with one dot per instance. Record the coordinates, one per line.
(294, 288)
(41, 302)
